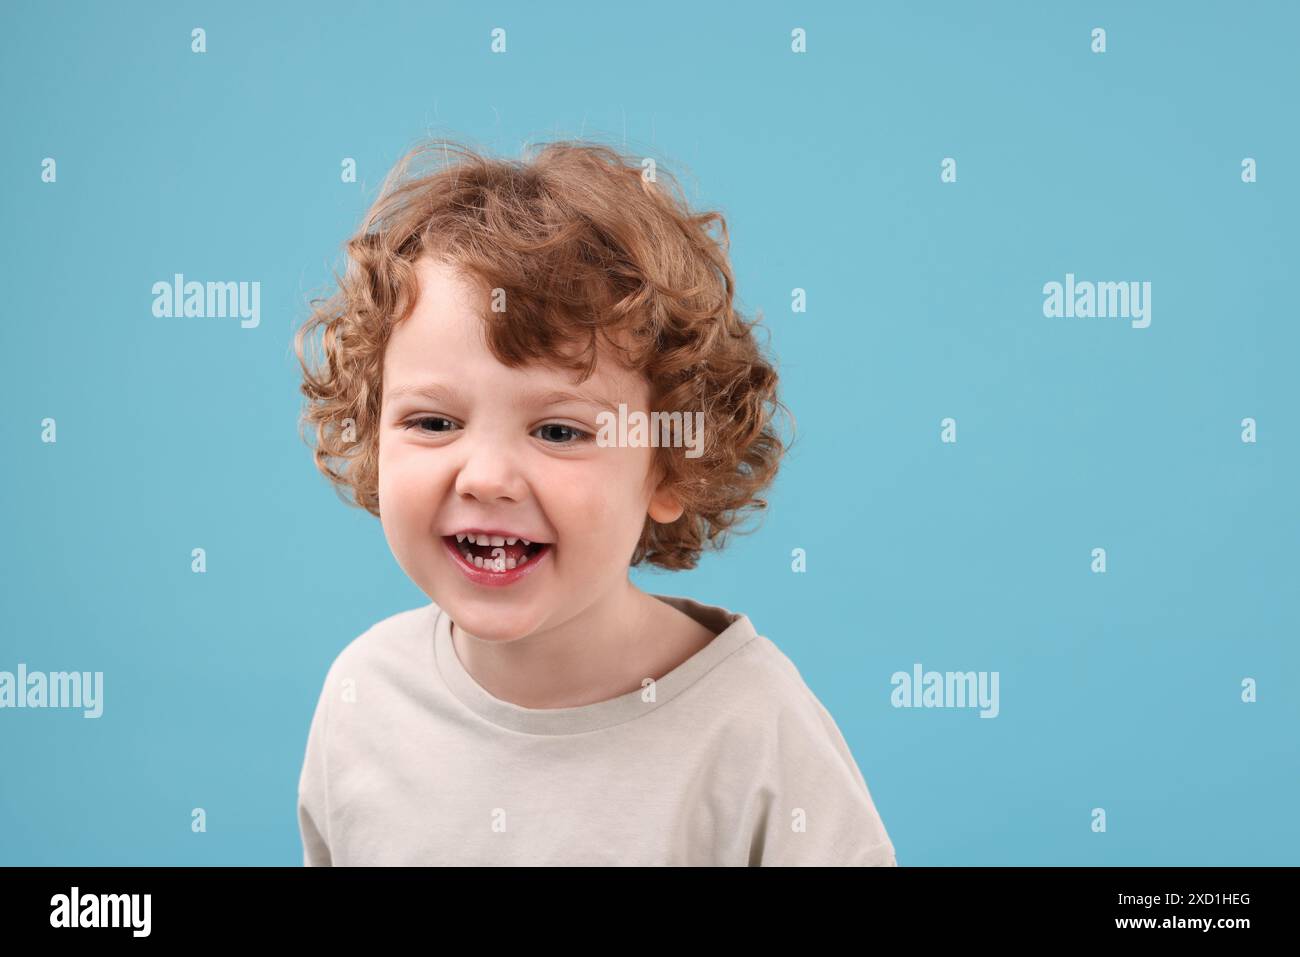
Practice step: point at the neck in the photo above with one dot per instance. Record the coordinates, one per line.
(590, 657)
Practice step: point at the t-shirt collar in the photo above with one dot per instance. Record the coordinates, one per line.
(732, 631)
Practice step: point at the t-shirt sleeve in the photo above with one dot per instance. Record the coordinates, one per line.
(313, 806)
(814, 808)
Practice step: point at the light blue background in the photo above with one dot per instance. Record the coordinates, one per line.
(1119, 691)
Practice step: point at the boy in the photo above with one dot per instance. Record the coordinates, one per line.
(542, 709)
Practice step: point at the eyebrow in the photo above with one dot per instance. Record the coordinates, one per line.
(442, 393)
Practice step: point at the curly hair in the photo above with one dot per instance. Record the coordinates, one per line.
(586, 244)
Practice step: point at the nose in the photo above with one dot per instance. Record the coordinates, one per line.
(489, 472)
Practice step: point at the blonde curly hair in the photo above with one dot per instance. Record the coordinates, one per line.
(586, 244)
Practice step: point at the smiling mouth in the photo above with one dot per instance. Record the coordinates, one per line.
(496, 558)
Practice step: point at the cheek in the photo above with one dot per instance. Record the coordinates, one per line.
(405, 487)
(405, 512)
(607, 505)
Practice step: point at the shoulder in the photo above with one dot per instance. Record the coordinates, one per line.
(769, 711)
(389, 650)
(778, 694)
(388, 640)
(811, 802)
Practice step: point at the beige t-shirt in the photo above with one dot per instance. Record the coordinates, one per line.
(728, 759)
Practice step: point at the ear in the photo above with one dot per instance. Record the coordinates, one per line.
(664, 507)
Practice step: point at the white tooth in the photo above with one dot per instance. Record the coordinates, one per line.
(478, 561)
(511, 541)
(510, 563)
(522, 559)
(482, 540)
(525, 541)
(497, 540)
(460, 537)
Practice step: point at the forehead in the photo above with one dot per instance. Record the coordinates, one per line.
(443, 339)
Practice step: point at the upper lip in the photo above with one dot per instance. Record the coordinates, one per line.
(500, 533)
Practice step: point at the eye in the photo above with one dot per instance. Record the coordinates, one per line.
(436, 424)
(416, 423)
(580, 436)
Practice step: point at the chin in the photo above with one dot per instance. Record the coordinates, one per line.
(489, 624)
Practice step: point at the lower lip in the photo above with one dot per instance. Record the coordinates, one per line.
(481, 576)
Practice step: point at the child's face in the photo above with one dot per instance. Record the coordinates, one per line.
(492, 455)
